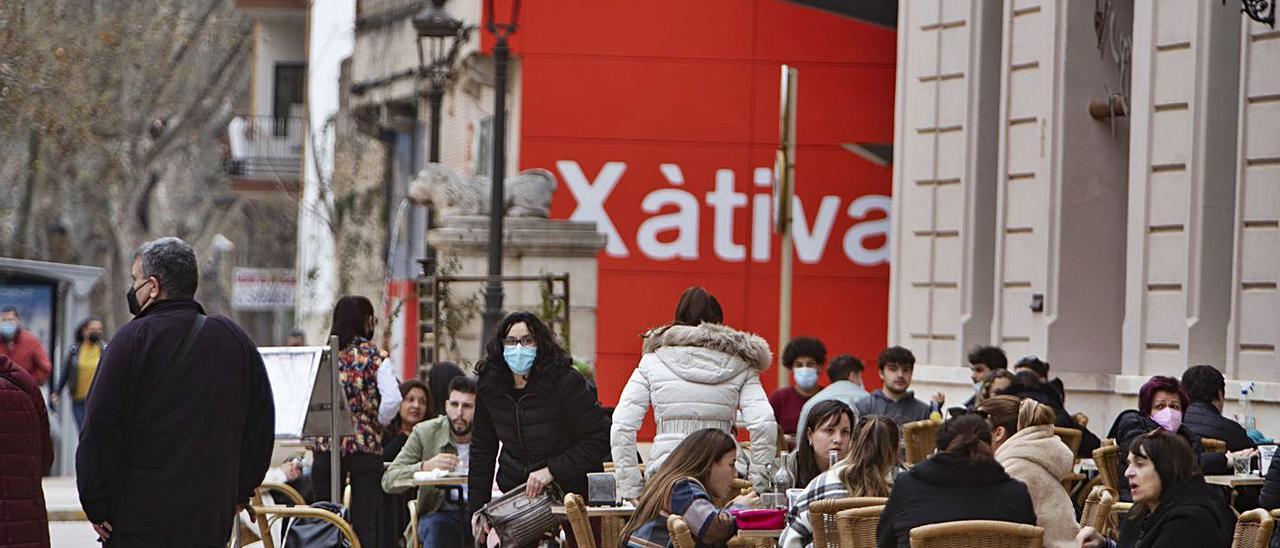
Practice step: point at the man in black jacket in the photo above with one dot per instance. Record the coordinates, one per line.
(180, 421)
(1206, 388)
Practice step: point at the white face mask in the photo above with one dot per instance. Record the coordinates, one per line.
(806, 377)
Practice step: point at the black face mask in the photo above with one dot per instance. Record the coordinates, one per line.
(132, 299)
(95, 337)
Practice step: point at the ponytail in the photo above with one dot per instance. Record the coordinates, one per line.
(1033, 413)
(967, 436)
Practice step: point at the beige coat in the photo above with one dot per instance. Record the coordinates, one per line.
(1037, 458)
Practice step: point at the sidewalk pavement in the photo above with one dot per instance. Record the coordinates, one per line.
(68, 527)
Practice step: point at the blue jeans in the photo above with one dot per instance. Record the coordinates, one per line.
(444, 528)
(77, 409)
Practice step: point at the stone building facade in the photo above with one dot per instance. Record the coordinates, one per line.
(1095, 183)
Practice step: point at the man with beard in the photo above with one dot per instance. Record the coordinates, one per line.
(442, 443)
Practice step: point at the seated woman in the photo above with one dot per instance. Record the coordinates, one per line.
(866, 472)
(1172, 505)
(415, 403)
(961, 481)
(698, 471)
(827, 429)
(1160, 404)
(1028, 385)
(1022, 432)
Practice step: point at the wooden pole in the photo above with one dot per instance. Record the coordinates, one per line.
(784, 188)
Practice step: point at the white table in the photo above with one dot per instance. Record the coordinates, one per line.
(443, 481)
(1234, 480)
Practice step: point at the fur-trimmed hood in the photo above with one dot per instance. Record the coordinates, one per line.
(728, 345)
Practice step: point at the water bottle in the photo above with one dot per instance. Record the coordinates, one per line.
(935, 412)
(832, 457)
(783, 479)
(1250, 423)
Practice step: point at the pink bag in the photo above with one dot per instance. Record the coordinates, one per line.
(754, 520)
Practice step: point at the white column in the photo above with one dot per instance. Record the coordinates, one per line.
(1254, 329)
(1182, 189)
(945, 151)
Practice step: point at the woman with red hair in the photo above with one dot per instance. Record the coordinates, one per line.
(1161, 402)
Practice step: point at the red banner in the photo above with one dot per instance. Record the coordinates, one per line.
(660, 119)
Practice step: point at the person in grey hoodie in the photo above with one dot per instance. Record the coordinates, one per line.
(895, 399)
(696, 373)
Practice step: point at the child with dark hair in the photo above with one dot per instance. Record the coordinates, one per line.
(962, 481)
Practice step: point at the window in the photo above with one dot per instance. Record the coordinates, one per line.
(289, 84)
(482, 147)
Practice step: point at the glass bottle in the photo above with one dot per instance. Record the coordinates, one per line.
(783, 479)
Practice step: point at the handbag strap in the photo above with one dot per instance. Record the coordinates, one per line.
(188, 340)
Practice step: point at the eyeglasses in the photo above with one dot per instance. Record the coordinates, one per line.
(961, 411)
(526, 341)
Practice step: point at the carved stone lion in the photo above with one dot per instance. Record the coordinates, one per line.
(528, 194)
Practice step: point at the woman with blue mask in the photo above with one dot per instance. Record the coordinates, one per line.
(533, 402)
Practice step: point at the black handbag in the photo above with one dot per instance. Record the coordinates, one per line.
(316, 532)
(518, 520)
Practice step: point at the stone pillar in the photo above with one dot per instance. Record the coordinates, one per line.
(1254, 329)
(944, 183)
(532, 246)
(1060, 217)
(1182, 190)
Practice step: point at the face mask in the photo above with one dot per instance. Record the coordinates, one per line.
(8, 329)
(95, 337)
(977, 387)
(1168, 418)
(519, 358)
(806, 377)
(131, 298)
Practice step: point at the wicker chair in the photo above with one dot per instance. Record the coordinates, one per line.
(1069, 436)
(822, 517)
(920, 437)
(1097, 508)
(1119, 511)
(576, 511)
(264, 513)
(1107, 458)
(1214, 445)
(679, 531)
(740, 487)
(413, 524)
(858, 526)
(977, 534)
(1253, 530)
(264, 524)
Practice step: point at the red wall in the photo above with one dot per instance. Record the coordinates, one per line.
(695, 84)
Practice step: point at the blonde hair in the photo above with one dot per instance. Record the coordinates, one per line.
(1034, 413)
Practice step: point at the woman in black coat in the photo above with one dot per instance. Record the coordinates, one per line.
(1172, 505)
(539, 407)
(961, 481)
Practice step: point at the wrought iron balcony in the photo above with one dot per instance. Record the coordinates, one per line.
(265, 147)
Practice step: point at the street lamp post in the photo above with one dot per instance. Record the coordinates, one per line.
(436, 56)
(497, 201)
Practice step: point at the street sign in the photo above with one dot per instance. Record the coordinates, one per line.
(262, 289)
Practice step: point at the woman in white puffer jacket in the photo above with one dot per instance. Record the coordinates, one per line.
(696, 373)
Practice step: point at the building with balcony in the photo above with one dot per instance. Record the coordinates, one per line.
(265, 139)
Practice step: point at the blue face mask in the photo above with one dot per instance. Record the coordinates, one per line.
(8, 329)
(519, 358)
(806, 377)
